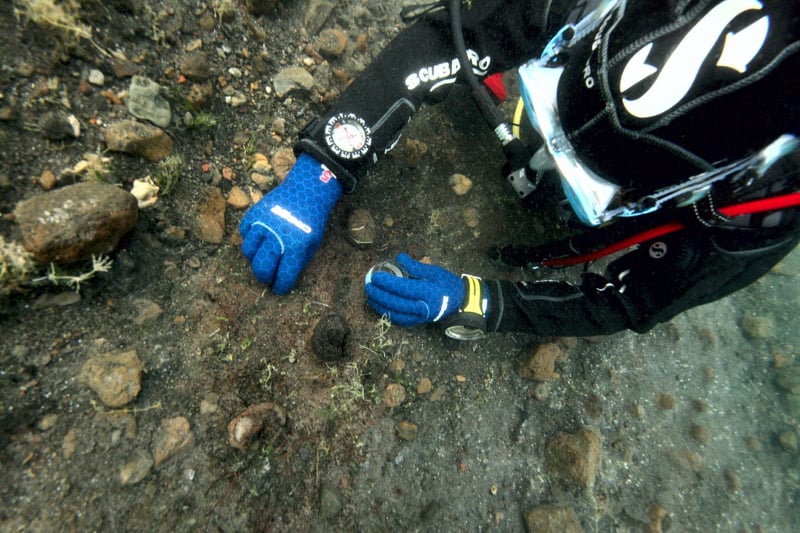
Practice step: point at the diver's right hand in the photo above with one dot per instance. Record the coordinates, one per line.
(283, 230)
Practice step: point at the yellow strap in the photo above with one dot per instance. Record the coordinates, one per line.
(473, 297)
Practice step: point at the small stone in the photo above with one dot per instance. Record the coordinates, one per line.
(47, 422)
(195, 65)
(788, 440)
(413, 151)
(116, 377)
(694, 460)
(174, 436)
(136, 469)
(148, 312)
(541, 391)
(788, 379)
(732, 481)
(211, 216)
(331, 42)
(194, 45)
(394, 395)
(553, 519)
(47, 180)
(574, 458)
(406, 430)
(424, 386)
(292, 79)
(700, 433)
(471, 218)
(460, 183)
(361, 229)
(237, 198)
(282, 162)
(253, 421)
(96, 78)
(665, 401)
(541, 365)
(70, 444)
(145, 102)
(135, 138)
(396, 366)
(756, 327)
(330, 502)
(199, 93)
(699, 406)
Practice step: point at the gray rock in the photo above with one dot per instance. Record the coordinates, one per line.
(330, 502)
(292, 79)
(316, 15)
(145, 102)
(75, 222)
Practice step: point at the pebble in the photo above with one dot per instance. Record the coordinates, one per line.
(406, 430)
(424, 386)
(135, 138)
(788, 440)
(460, 183)
(174, 436)
(75, 222)
(282, 162)
(145, 101)
(237, 198)
(195, 65)
(136, 469)
(666, 401)
(253, 421)
(47, 180)
(361, 228)
(116, 377)
(540, 366)
(757, 327)
(292, 79)
(700, 433)
(788, 379)
(552, 519)
(471, 217)
(70, 444)
(394, 395)
(541, 391)
(148, 312)
(211, 216)
(573, 458)
(732, 481)
(96, 78)
(331, 42)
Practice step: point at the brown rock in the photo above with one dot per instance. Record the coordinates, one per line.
(211, 216)
(553, 519)
(253, 421)
(331, 42)
(175, 436)
(282, 162)
(573, 458)
(237, 198)
(116, 377)
(541, 365)
(136, 138)
(406, 430)
(75, 222)
(394, 395)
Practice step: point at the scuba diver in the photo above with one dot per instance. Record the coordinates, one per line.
(672, 126)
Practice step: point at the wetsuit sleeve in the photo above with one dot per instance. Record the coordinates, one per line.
(646, 286)
(419, 66)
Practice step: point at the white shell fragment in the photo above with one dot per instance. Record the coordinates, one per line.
(145, 191)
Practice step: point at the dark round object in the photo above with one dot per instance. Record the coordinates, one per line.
(331, 337)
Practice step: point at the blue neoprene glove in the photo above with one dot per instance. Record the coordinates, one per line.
(283, 230)
(429, 293)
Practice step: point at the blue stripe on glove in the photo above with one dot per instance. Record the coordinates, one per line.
(429, 294)
(282, 231)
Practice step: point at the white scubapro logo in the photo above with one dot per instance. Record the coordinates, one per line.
(679, 72)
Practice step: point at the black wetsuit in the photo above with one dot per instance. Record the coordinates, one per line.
(662, 90)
